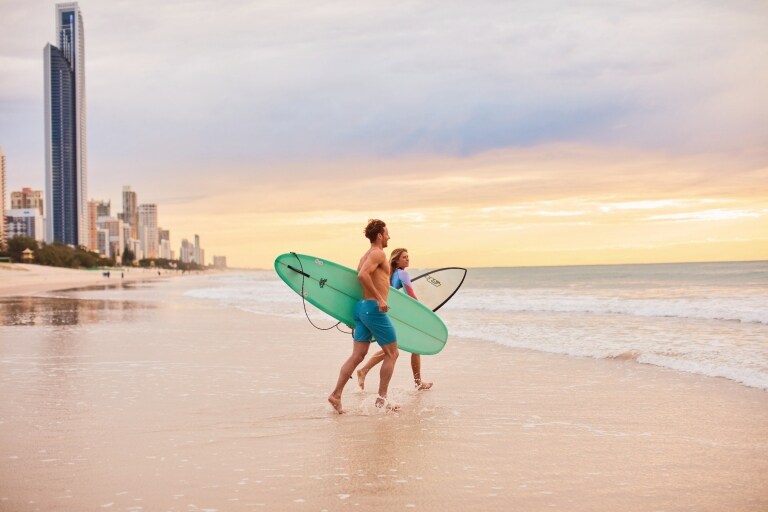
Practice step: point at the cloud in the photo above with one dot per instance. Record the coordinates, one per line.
(291, 79)
(557, 178)
(294, 80)
(707, 215)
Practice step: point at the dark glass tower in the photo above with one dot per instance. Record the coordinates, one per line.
(65, 162)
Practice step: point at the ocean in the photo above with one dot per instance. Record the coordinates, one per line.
(704, 318)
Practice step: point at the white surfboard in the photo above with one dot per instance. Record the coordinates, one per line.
(436, 287)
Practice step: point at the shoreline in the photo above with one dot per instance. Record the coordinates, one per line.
(24, 279)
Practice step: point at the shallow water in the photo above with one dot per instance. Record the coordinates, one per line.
(705, 318)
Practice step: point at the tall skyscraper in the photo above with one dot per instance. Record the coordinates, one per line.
(93, 232)
(148, 230)
(3, 231)
(164, 236)
(187, 251)
(96, 210)
(65, 146)
(131, 211)
(198, 251)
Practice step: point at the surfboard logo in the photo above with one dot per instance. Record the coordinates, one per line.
(318, 262)
(434, 282)
(322, 282)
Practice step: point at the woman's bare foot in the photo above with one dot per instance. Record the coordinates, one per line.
(390, 406)
(361, 378)
(336, 403)
(421, 385)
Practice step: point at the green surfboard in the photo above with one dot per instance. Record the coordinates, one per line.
(334, 289)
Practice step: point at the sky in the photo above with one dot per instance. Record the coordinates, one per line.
(485, 133)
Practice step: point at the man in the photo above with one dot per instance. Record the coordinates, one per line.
(371, 318)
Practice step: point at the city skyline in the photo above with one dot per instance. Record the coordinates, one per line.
(496, 134)
(70, 216)
(27, 204)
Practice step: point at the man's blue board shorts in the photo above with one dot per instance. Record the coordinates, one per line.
(372, 323)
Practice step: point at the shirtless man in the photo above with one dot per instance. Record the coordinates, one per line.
(371, 318)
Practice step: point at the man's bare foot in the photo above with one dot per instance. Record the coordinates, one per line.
(423, 385)
(361, 378)
(390, 406)
(336, 403)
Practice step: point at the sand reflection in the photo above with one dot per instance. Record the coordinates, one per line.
(32, 311)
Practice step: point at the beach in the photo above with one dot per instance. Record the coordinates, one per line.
(144, 397)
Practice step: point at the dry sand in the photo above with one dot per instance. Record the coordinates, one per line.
(184, 407)
(25, 279)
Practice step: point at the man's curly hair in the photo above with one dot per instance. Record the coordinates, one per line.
(374, 227)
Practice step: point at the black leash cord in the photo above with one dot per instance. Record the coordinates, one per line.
(304, 301)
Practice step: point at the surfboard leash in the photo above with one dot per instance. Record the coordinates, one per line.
(304, 300)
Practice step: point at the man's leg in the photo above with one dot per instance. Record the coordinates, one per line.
(359, 349)
(372, 361)
(387, 369)
(416, 367)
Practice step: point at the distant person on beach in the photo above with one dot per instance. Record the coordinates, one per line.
(371, 319)
(399, 279)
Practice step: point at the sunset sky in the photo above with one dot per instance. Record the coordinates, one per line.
(485, 133)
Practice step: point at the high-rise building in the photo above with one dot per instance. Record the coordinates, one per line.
(135, 247)
(65, 156)
(131, 211)
(3, 232)
(164, 238)
(116, 234)
(103, 245)
(126, 230)
(96, 210)
(27, 199)
(199, 252)
(103, 208)
(186, 251)
(148, 230)
(24, 222)
(92, 227)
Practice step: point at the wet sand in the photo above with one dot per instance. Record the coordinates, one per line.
(180, 406)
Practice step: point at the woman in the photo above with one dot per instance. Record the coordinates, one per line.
(399, 279)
